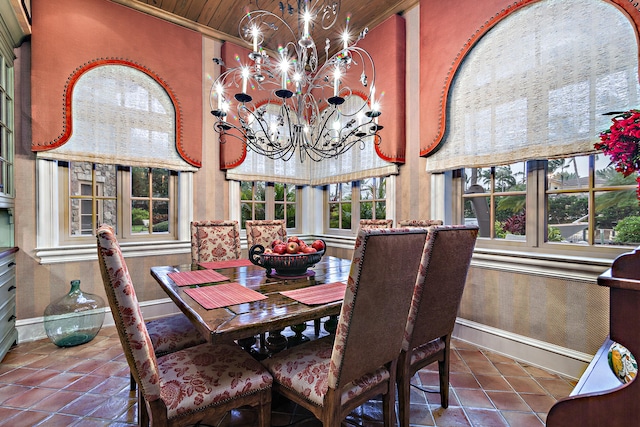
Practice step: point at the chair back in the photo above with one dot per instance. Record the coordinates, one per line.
(419, 222)
(376, 223)
(217, 240)
(376, 302)
(126, 314)
(263, 232)
(440, 283)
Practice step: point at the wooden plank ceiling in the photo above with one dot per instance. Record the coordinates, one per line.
(222, 17)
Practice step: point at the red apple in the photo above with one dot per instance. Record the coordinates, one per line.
(280, 249)
(276, 242)
(268, 251)
(292, 247)
(309, 250)
(318, 245)
(302, 244)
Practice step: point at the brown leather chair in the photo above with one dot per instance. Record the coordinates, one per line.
(332, 377)
(184, 387)
(436, 299)
(217, 240)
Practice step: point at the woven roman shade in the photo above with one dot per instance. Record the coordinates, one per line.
(537, 84)
(120, 115)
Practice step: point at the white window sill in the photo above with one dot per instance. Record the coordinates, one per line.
(130, 250)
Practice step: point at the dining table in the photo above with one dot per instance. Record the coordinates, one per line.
(237, 300)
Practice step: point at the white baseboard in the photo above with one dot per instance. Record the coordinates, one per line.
(33, 329)
(550, 357)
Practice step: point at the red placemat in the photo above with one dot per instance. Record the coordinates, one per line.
(197, 277)
(319, 294)
(223, 295)
(230, 263)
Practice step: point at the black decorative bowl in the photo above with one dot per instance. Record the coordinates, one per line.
(284, 265)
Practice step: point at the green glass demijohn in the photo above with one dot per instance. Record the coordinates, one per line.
(74, 319)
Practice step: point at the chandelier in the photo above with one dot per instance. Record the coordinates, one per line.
(320, 110)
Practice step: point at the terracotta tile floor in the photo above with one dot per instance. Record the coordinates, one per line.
(88, 385)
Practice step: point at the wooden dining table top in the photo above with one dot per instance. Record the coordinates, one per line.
(248, 319)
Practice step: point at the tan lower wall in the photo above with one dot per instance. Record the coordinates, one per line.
(566, 313)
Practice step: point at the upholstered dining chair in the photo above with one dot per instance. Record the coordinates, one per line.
(187, 386)
(376, 223)
(419, 222)
(330, 377)
(263, 232)
(434, 307)
(216, 240)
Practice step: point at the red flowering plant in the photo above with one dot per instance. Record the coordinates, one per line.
(621, 143)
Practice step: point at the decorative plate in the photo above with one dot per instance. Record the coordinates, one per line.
(622, 363)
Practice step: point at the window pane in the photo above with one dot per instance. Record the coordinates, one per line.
(511, 177)
(568, 213)
(345, 209)
(245, 209)
(279, 190)
(246, 190)
(476, 212)
(279, 211)
(139, 182)
(477, 180)
(366, 210)
(568, 173)
(617, 218)
(259, 192)
(367, 190)
(334, 215)
(511, 217)
(291, 215)
(345, 189)
(334, 192)
(382, 188)
(259, 211)
(161, 218)
(291, 193)
(139, 216)
(160, 182)
(381, 210)
(106, 177)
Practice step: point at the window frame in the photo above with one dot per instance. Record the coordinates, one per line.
(270, 203)
(355, 206)
(536, 243)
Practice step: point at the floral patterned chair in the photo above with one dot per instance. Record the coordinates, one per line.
(188, 386)
(436, 299)
(263, 232)
(332, 377)
(419, 222)
(376, 223)
(217, 240)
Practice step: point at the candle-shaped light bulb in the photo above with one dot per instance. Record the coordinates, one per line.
(306, 17)
(219, 91)
(245, 77)
(345, 39)
(284, 67)
(336, 82)
(256, 34)
(373, 95)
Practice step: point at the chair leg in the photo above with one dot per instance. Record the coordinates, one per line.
(132, 383)
(443, 370)
(264, 410)
(404, 391)
(143, 415)
(389, 407)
